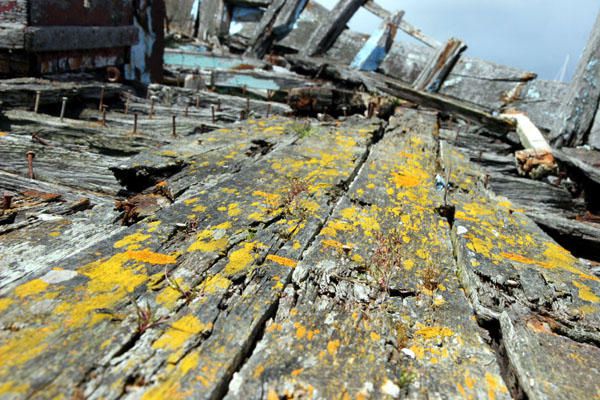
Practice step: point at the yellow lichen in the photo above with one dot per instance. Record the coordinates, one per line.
(240, 259)
(31, 288)
(131, 240)
(286, 262)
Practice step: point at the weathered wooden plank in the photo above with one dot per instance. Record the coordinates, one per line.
(277, 21)
(263, 35)
(376, 48)
(12, 35)
(212, 19)
(352, 326)
(181, 16)
(407, 27)
(508, 266)
(59, 38)
(306, 25)
(440, 65)
(346, 47)
(405, 61)
(594, 138)
(581, 104)
(327, 33)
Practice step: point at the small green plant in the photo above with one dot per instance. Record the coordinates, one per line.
(406, 377)
(387, 257)
(290, 202)
(187, 294)
(302, 129)
(146, 319)
(432, 277)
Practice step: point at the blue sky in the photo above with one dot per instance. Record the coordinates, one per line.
(536, 35)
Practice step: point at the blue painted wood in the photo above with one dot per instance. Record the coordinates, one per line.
(199, 60)
(373, 52)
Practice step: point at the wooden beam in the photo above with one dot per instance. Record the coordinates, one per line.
(324, 37)
(212, 19)
(405, 26)
(433, 76)
(279, 17)
(60, 38)
(377, 47)
(580, 107)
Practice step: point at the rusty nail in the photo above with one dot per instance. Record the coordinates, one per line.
(101, 103)
(371, 110)
(248, 105)
(268, 110)
(36, 107)
(197, 101)
(30, 156)
(7, 200)
(63, 108)
(174, 131)
(242, 114)
(135, 123)
(212, 80)
(212, 110)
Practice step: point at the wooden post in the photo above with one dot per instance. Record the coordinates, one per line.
(101, 103)
(328, 32)
(212, 111)
(581, 104)
(439, 67)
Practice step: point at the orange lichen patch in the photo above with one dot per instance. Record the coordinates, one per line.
(131, 240)
(333, 243)
(300, 330)
(207, 243)
(180, 331)
(189, 202)
(272, 395)
(494, 385)
(241, 258)
(333, 346)
(286, 262)
(22, 347)
(171, 387)
(11, 388)
(297, 372)
(431, 332)
(585, 293)
(274, 327)
(520, 258)
(2, 134)
(31, 288)
(5, 303)
(405, 180)
(215, 283)
(199, 208)
(259, 371)
(233, 210)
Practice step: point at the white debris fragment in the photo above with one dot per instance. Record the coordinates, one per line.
(461, 230)
(390, 388)
(409, 353)
(58, 276)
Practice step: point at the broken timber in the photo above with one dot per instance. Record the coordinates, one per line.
(581, 105)
(326, 34)
(376, 48)
(434, 74)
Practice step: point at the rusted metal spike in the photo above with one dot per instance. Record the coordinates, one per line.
(174, 130)
(63, 108)
(36, 107)
(30, 156)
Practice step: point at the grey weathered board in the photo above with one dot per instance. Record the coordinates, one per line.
(270, 238)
